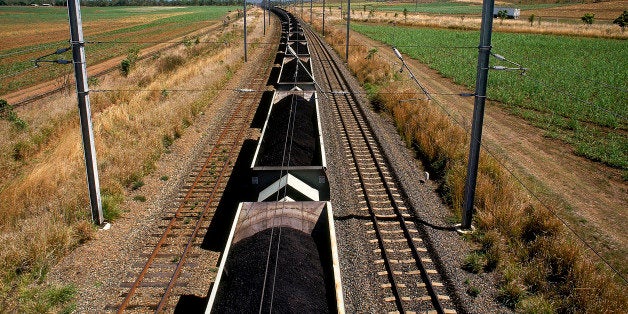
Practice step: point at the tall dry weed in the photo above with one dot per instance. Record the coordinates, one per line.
(541, 268)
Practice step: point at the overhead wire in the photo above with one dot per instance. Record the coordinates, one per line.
(24, 51)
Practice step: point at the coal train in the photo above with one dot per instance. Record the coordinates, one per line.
(281, 252)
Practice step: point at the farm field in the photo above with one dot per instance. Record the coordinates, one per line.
(32, 32)
(573, 96)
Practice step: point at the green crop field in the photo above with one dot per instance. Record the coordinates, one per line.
(575, 88)
(131, 27)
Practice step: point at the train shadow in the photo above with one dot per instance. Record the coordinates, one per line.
(274, 76)
(238, 189)
(191, 304)
(262, 110)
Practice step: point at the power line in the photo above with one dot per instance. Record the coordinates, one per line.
(2, 56)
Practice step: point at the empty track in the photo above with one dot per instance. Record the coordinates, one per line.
(158, 278)
(408, 280)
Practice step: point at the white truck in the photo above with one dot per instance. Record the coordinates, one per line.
(511, 13)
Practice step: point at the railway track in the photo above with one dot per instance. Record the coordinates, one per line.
(401, 262)
(159, 275)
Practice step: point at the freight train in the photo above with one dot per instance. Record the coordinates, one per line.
(281, 252)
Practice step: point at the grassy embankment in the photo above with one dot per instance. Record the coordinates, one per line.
(44, 211)
(32, 32)
(540, 269)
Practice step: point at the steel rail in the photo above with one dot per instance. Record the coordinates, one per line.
(223, 137)
(380, 240)
(364, 129)
(207, 206)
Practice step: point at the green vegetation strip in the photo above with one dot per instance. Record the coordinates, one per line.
(575, 88)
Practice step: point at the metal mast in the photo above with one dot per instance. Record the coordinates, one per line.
(82, 92)
(478, 111)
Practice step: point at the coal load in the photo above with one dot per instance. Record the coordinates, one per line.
(299, 285)
(291, 136)
(297, 36)
(299, 47)
(295, 71)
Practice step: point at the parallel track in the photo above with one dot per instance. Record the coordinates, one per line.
(159, 278)
(411, 285)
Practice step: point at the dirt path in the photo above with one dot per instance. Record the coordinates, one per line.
(592, 196)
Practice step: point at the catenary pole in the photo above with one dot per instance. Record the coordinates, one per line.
(323, 18)
(311, 11)
(245, 54)
(82, 92)
(478, 111)
(264, 11)
(348, 21)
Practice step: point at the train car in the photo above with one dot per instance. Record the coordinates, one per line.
(289, 162)
(295, 71)
(281, 252)
(299, 48)
(280, 257)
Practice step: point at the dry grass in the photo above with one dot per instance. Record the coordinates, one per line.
(541, 269)
(551, 26)
(44, 211)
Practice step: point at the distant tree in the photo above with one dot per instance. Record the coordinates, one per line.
(405, 14)
(531, 19)
(588, 18)
(622, 20)
(2, 2)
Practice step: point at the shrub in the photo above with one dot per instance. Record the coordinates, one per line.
(588, 18)
(111, 205)
(167, 140)
(125, 67)
(535, 305)
(170, 63)
(474, 262)
(473, 291)
(7, 112)
(622, 20)
(531, 19)
(502, 14)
